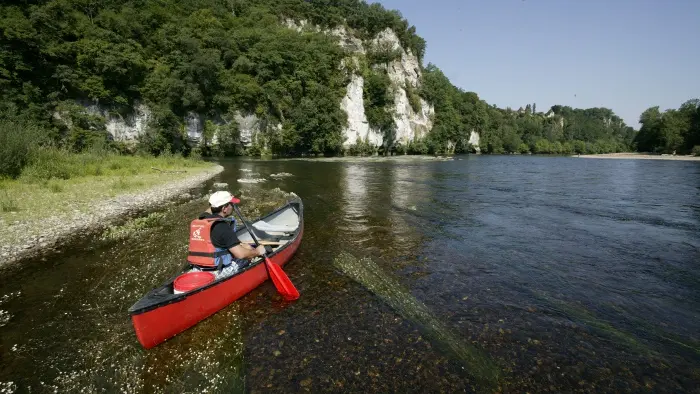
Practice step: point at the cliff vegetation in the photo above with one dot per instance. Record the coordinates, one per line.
(224, 58)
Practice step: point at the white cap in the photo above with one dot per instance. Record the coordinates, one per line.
(222, 198)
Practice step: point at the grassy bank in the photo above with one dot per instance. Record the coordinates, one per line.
(58, 181)
(58, 194)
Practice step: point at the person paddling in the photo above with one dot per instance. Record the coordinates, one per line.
(213, 241)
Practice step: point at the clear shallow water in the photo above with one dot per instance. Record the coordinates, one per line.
(569, 274)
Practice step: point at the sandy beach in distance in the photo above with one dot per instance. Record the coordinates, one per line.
(639, 156)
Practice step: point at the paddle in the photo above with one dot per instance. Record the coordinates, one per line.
(265, 242)
(279, 278)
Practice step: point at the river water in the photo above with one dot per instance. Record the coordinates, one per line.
(483, 273)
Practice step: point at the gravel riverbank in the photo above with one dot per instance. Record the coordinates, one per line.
(47, 235)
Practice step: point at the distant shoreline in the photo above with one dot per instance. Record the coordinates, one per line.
(642, 156)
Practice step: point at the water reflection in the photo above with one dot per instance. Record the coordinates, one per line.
(355, 189)
(532, 259)
(409, 186)
(381, 202)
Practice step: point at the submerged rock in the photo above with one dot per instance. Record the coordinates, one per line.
(252, 180)
(370, 275)
(281, 175)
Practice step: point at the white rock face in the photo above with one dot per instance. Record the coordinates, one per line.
(410, 124)
(194, 126)
(131, 127)
(399, 70)
(474, 141)
(121, 128)
(134, 125)
(346, 40)
(358, 126)
(248, 126)
(300, 25)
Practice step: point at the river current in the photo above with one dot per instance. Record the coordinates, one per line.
(482, 273)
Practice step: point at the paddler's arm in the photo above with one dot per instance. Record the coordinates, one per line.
(244, 251)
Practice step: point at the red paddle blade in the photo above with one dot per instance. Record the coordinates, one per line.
(281, 281)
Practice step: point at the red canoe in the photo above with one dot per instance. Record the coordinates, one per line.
(164, 313)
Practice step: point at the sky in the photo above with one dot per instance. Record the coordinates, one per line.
(626, 55)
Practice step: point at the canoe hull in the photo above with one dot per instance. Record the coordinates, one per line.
(165, 320)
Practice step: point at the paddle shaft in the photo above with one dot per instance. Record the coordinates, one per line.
(265, 242)
(274, 272)
(255, 240)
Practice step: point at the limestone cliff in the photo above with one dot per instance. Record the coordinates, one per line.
(410, 123)
(405, 70)
(412, 120)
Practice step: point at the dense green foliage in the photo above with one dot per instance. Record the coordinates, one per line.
(366, 19)
(21, 158)
(223, 58)
(17, 142)
(378, 101)
(675, 130)
(560, 130)
(210, 57)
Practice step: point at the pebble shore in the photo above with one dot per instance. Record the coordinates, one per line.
(50, 234)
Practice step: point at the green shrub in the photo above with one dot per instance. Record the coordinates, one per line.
(377, 100)
(417, 147)
(579, 146)
(400, 149)
(413, 97)
(17, 141)
(56, 163)
(383, 53)
(495, 146)
(567, 148)
(361, 148)
(50, 163)
(696, 150)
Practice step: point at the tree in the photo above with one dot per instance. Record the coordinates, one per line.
(220, 58)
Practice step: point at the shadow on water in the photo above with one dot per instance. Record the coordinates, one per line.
(364, 271)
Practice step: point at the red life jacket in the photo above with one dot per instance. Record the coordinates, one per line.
(202, 252)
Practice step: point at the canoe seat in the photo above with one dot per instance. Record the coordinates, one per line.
(280, 228)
